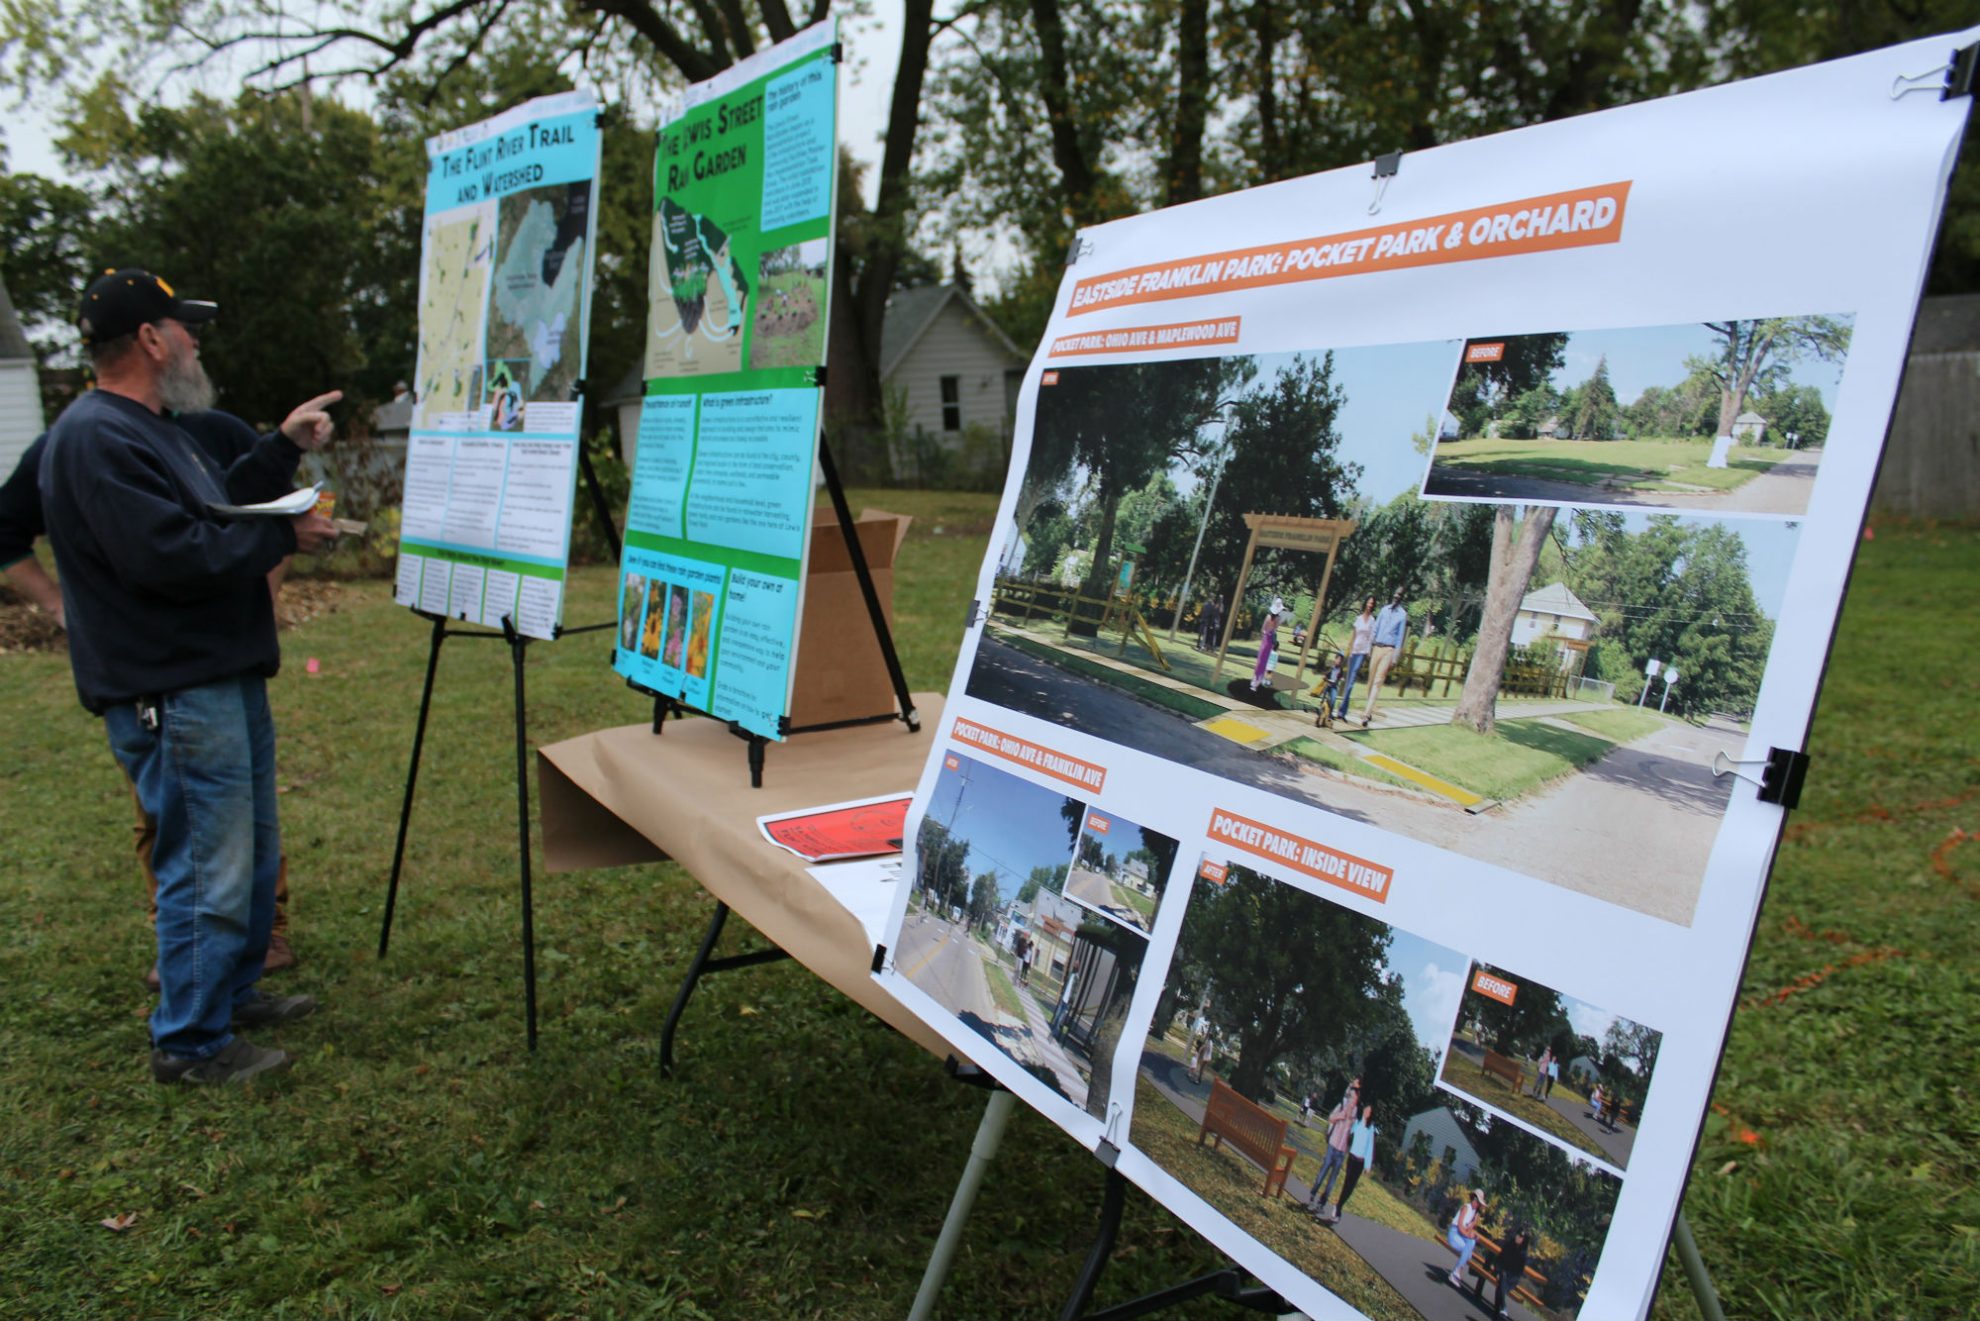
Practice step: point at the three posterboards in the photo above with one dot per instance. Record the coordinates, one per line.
(718, 526)
(504, 315)
(1526, 428)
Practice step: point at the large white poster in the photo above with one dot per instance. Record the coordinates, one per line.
(1339, 806)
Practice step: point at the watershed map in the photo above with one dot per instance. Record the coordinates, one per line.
(696, 293)
(454, 286)
(537, 310)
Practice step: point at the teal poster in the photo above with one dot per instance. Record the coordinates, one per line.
(719, 518)
(504, 302)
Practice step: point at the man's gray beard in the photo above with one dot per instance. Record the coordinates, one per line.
(183, 386)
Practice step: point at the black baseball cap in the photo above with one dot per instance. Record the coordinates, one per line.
(120, 301)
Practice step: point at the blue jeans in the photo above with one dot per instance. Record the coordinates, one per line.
(1330, 1165)
(206, 775)
(1464, 1247)
(1355, 662)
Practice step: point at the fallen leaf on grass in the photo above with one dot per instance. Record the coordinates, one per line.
(1728, 1168)
(389, 1289)
(748, 1011)
(614, 1208)
(117, 1224)
(803, 1214)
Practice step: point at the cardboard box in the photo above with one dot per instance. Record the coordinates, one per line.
(841, 674)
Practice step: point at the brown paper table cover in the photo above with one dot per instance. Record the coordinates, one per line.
(625, 795)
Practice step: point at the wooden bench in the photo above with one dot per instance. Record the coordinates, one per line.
(1252, 1133)
(1502, 1066)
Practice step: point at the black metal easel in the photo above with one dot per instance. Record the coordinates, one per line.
(664, 704)
(1230, 1283)
(518, 647)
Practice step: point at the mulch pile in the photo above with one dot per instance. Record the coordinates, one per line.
(25, 628)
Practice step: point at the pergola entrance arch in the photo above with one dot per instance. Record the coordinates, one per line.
(1288, 532)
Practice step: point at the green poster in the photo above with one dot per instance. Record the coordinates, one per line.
(738, 282)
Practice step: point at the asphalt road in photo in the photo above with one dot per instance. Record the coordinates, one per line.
(1634, 829)
(939, 957)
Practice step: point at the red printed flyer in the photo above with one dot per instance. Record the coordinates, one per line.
(843, 830)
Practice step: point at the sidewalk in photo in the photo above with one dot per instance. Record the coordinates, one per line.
(1038, 1047)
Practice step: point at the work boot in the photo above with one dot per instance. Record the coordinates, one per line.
(238, 1061)
(273, 1010)
(280, 956)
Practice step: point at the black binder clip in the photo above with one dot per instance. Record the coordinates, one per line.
(1078, 248)
(879, 959)
(973, 614)
(1959, 74)
(1781, 775)
(1109, 1154)
(836, 52)
(1387, 166)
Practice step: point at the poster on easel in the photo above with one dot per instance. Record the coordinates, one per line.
(1372, 868)
(718, 524)
(504, 310)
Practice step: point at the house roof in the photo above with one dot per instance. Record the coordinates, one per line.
(13, 340)
(910, 312)
(1749, 416)
(393, 415)
(1556, 599)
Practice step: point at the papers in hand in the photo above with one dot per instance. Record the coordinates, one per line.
(299, 501)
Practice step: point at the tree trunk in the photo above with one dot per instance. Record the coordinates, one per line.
(1185, 172)
(1076, 172)
(1513, 558)
(1099, 582)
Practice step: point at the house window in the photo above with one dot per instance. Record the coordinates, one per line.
(952, 403)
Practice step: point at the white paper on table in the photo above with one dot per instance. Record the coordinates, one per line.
(299, 501)
(864, 887)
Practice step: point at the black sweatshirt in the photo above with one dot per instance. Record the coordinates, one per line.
(161, 593)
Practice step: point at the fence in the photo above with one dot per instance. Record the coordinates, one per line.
(1423, 665)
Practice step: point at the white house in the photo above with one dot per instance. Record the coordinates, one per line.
(1749, 428)
(950, 362)
(1554, 612)
(1449, 1141)
(20, 388)
(939, 352)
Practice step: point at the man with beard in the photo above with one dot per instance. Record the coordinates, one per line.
(172, 640)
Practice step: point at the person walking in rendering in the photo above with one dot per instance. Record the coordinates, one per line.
(1390, 627)
(1540, 1074)
(1199, 1059)
(1210, 629)
(1510, 1266)
(1340, 1120)
(1553, 1076)
(1363, 638)
(1329, 689)
(1268, 645)
(1463, 1234)
(1360, 1155)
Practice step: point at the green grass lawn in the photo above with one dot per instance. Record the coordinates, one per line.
(1232, 1184)
(1635, 465)
(1002, 991)
(1620, 724)
(1519, 758)
(1334, 759)
(420, 1163)
(1468, 1078)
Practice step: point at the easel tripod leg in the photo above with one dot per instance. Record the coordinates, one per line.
(1694, 1271)
(989, 1134)
(518, 646)
(1111, 1203)
(412, 779)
